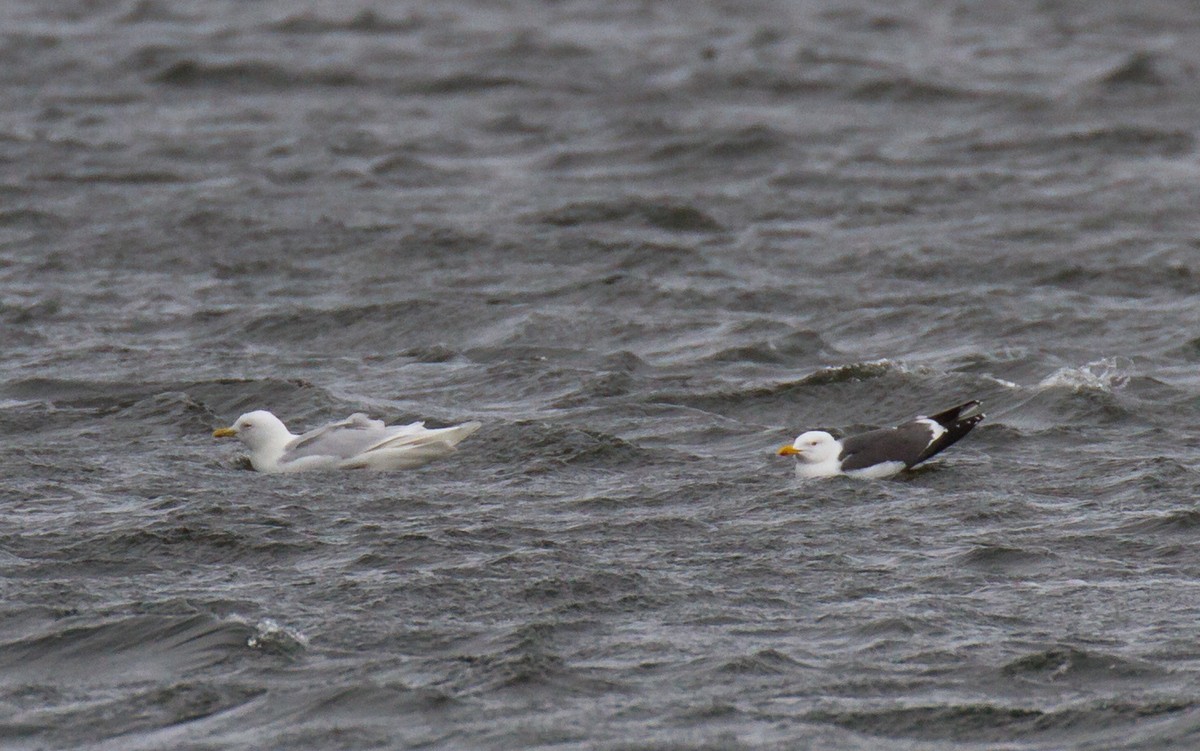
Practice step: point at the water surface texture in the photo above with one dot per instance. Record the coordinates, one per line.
(645, 243)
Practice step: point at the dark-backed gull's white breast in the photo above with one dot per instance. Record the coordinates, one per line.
(881, 453)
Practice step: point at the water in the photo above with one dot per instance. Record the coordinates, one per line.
(645, 244)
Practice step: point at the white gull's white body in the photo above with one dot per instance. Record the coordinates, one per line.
(358, 442)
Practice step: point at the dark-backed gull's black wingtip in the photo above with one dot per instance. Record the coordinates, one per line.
(956, 427)
(948, 417)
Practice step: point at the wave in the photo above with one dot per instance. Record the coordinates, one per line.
(31, 219)
(132, 409)
(1139, 280)
(1078, 666)
(412, 171)
(132, 552)
(994, 558)
(1101, 392)
(1142, 70)
(151, 686)
(661, 214)
(138, 647)
(131, 177)
(1104, 375)
(177, 410)
(855, 78)
(535, 47)
(851, 373)
(366, 21)
(600, 386)
(983, 723)
(271, 637)
(523, 659)
(136, 719)
(1183, 521)
(257, 75)
(723, 146)
(461, 82)
(854, 396)
(896, 629)
(1129, 141)
(543, 447)
(762, 662)
(591, 593)
(391, 326)
(830, 376)
(791, 350)
(903, 88)
(251, 74)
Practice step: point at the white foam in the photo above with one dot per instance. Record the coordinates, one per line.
(1100, 375)
(271, 636)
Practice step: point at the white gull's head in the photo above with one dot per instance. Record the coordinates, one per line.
(262, 432)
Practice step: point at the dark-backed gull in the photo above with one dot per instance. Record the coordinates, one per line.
(884, 452)
(358, 442)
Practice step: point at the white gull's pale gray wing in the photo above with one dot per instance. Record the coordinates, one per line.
(417, 434)
(357, 421)
(345, 438)
(412, 446)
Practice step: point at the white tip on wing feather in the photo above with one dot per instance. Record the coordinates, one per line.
(935, 431)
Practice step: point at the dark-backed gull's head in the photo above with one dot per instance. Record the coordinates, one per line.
(813, 447)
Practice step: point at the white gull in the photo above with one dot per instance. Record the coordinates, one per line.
(358, 442)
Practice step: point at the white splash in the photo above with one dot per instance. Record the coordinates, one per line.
(1100, 375)
(271, 636)
(1000, 382)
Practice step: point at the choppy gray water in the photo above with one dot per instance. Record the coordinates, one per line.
(645, 244)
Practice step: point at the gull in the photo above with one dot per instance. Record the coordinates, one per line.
(884, 452)
(358, 442)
